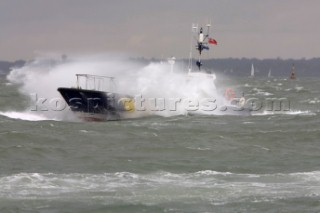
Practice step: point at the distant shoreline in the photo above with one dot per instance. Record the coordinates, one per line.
(228, 66)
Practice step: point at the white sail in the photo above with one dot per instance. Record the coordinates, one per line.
(269, 74)
(252, 71)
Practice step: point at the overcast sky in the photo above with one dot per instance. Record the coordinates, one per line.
(159, 28)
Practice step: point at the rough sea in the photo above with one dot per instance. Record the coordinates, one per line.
(267, 162)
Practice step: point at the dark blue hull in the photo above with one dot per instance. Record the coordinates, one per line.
(93, 105)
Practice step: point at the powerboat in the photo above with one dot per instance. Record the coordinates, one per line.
(94, 99)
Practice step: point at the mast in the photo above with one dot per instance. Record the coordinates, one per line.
(203, 42)
(194, 30)
(293, 73)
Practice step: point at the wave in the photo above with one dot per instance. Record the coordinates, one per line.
(24, 116)
(298, 112)
(311, 101)
(159, 187)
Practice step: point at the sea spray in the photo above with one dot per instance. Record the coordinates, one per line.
(161, 92)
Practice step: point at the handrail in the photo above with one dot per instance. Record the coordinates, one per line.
(98, 81)
(93, 76)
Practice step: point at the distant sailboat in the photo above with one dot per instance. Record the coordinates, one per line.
(293, 73)
(269, 74)
(252, 71)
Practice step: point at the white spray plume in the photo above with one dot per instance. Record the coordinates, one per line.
(153, 81)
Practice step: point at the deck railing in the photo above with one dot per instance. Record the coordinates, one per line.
(96, 82)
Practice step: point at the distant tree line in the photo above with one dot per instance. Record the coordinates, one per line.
(6, 66)
(242, 67)
(229, 66)
(278, 67)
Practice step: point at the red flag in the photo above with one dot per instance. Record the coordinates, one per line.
(212, 41)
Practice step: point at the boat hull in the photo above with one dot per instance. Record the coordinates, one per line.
(91, 105)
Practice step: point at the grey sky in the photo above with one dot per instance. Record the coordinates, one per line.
(155, 28)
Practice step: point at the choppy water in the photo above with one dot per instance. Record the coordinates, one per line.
(269, 162)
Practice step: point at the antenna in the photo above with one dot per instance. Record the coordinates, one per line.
(194, 29)
(171, 61)
(190, 61)
(208, 28)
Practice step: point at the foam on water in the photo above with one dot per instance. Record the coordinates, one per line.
(311, 101)
(24, 116)
(298, 112)
(156, 188)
